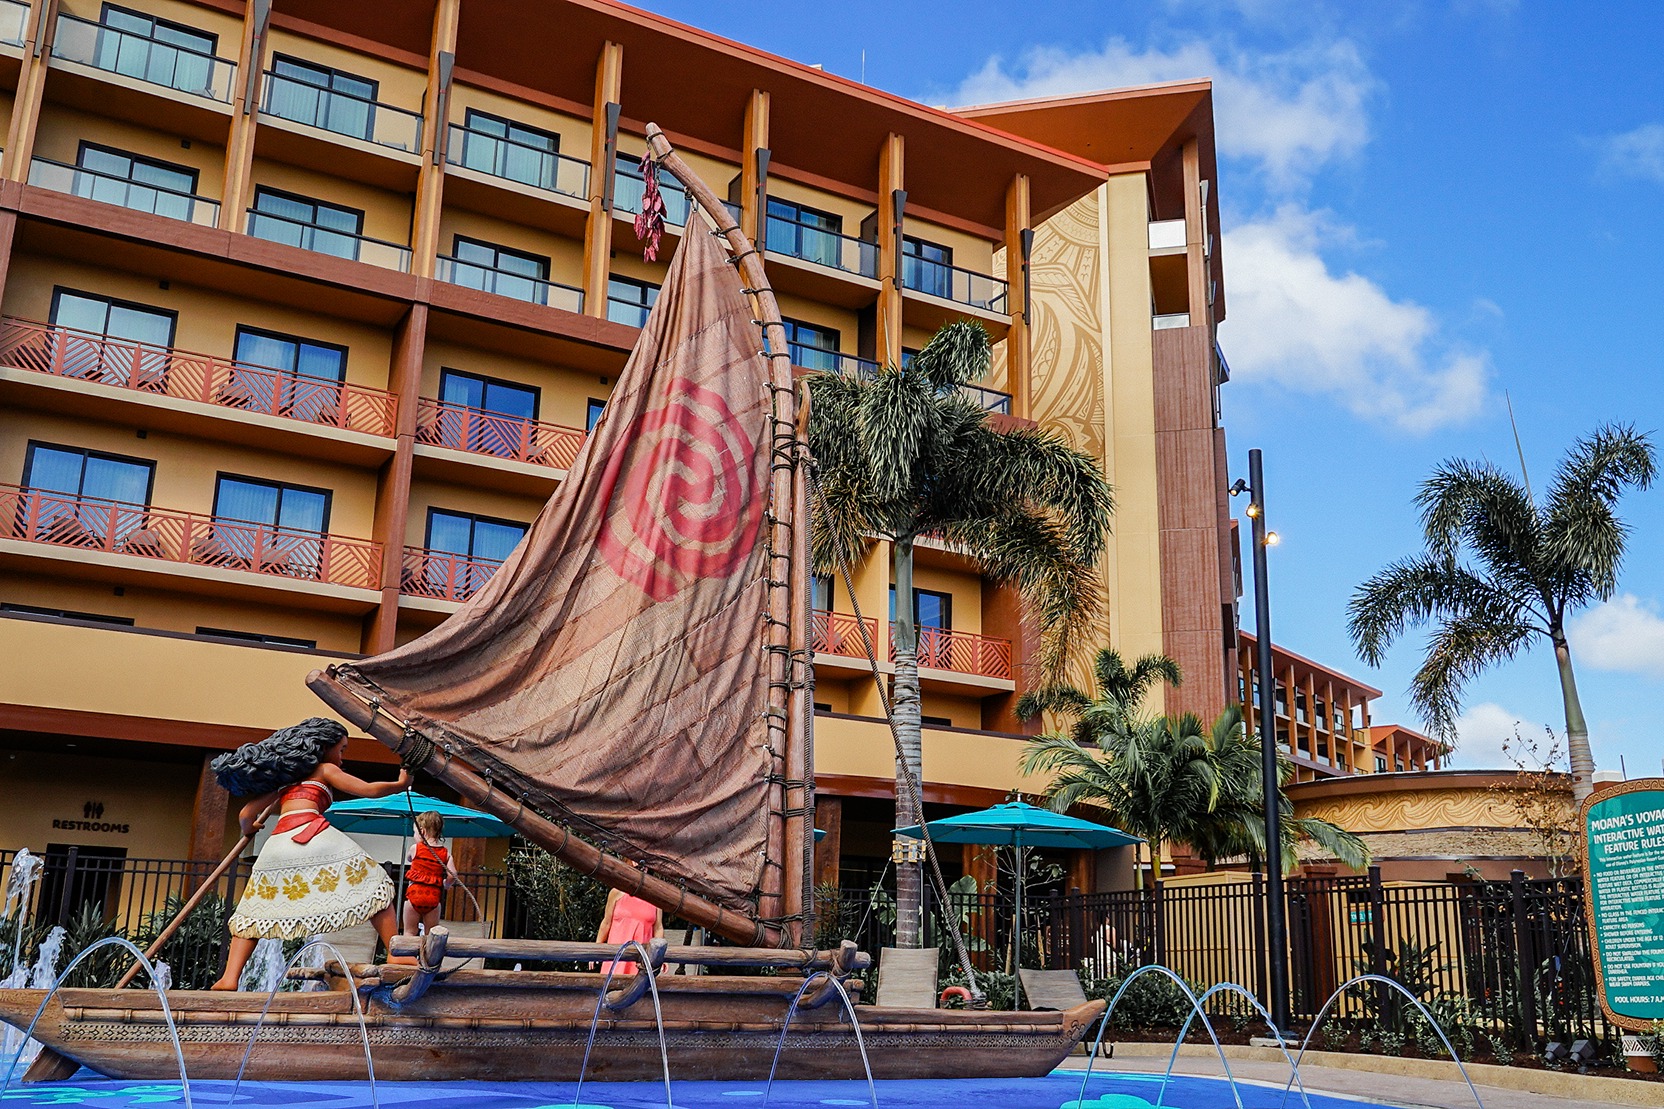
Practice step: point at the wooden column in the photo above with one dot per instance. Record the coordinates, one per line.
(1018, 351)
(1195, 246)
(609, 83)
(31, 88)
(393, 490)
(1335, 734)
(753, 181)
(245, 115)
(892, 180)
(430, 182)
(208, 816)
(829, 817)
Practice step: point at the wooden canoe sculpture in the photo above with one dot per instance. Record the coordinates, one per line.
(631, 690)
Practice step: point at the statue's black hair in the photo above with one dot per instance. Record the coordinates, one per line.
(281, 759)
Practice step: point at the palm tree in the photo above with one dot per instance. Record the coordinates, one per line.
(904, 453)
(1120, 690)
(1530, 564)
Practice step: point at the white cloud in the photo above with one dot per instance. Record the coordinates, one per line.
(1291, 111)
(1637, 153)
(1625, 634)
(1297, 324)
(1481, 731)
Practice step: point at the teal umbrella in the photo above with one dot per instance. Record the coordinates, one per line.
(393, 816)
(1021, 826)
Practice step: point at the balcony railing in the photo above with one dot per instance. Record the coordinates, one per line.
(14, 19)
(962, 286)
(831, 361)
(627, 189)
(1167, 234)
(991, 400)
(480, 432)
(822, 247)
(115, 527)
(161, 371)
(631, 312)
(113, 50)
(80, 181)
(341, 113)
(328, 240)
(512, 160)
(1170, 319)
(834, 633)
(962, 652)
(442, 575)
(532, 290)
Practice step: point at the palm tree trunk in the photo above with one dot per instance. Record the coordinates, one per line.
(1577, 730)
(904, 693)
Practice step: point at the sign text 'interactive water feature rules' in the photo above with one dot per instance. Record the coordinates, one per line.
(1623, 857)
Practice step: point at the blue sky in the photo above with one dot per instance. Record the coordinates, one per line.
(1426, 206)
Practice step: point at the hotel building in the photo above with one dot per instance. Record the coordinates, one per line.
(305, 308)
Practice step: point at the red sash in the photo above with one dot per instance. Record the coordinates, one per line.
(309, 821)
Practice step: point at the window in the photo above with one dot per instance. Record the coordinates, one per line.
(85, 498)
(281, 217)
(322, 97)
(477, 544)
(133, 181)
(629, 301)
(798, 231)
(1380, 764)
(822, 706)
(926, 267)
(497, 419)
(628, 187)
(155, 50)
(931, 609)
(67, 614)
(497, 269)
(143, 364)
(268, 526)
(936, 721)
(510, 150)
(812, 347)
(305, 378)
(593, 416)
(821, 593)
(259, 637)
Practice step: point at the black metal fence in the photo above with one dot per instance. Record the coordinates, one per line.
(1515, 952)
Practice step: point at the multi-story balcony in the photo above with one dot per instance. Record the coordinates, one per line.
(125, 192)
(628, 188)
(328, 240)
(821, 247)
(631, 313)
(953, 283)
(985, 656)
(444, 576)
(835, 633)
(177, 63)
(499, 436)
(340, 112)
(520, 286)
(165, 535)
(509, 159)
(165, 372)
(831, 361)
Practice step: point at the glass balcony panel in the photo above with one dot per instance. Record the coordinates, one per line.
(173, 58)
(339, 244)
(341, 112)
(141, 197)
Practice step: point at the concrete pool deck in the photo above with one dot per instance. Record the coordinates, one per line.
(1404, 1082)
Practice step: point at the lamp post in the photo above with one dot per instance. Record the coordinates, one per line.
(1276, 908)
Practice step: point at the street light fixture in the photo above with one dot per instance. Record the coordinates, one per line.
(1276, 909)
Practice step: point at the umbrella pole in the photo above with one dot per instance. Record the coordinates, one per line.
(1017, 933)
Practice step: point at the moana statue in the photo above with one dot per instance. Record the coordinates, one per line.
(310, 877)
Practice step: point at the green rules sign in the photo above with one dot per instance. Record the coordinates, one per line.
(1624, 861)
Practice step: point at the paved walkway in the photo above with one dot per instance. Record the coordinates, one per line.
(1400, 1090)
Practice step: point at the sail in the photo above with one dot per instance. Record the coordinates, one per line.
(614, 673)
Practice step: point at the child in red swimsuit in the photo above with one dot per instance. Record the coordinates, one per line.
(428, 870)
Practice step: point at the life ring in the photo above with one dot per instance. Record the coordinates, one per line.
(955, 991)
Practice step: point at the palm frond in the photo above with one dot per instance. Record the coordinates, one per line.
(1415, 591)
(1584, 537)
(1457, 653)
(956, 355)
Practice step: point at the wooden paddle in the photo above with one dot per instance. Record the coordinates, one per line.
(49, 1065)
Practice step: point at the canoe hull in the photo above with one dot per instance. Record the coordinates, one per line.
(716, 1028)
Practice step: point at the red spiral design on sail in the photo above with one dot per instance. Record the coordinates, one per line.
(689, 505)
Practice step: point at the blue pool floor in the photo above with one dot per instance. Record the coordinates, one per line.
(1057, 1091)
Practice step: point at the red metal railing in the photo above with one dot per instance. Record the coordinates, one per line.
(963, 652)
(833, 633)
(66, 520)
(449, 577)
(479, 432)
(162, 371)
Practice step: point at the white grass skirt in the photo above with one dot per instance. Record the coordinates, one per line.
(302, 889)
